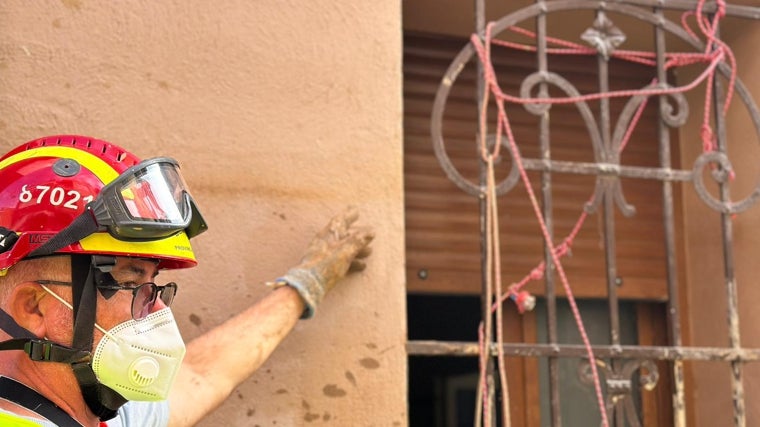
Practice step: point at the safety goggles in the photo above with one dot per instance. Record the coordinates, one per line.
(144, 297)
(148, 201)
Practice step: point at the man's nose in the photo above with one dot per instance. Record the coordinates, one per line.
(158, 304)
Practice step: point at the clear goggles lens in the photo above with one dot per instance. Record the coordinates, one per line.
(156, 193)
(148, 201)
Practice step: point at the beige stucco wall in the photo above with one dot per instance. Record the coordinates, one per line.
(281, 113)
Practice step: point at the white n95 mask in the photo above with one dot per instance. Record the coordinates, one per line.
(140, 359)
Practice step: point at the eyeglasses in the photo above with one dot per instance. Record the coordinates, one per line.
(144, 297)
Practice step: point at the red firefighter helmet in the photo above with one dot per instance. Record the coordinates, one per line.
(136, 209)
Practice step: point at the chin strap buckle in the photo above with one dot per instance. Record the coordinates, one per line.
(38, 350)
(47, 351)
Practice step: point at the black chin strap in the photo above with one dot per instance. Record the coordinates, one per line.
(101, 400)
(46, 351)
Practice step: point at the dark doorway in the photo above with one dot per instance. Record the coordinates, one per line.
(442, 389)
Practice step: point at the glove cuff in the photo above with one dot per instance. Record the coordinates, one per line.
(310, 287)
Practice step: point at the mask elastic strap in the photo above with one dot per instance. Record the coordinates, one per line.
(70, 307)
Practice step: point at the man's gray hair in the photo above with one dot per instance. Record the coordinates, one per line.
(47, 268)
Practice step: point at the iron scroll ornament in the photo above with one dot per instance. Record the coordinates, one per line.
(609, 164)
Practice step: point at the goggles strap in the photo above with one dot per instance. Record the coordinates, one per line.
(7, 239)
(81, 227)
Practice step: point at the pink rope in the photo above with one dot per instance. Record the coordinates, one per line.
(715, 59)
(715, 53)
(504, 126)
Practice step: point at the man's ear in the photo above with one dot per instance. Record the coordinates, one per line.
(24, 307)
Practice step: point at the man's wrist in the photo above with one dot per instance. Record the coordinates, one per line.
(288, 296)
(309, 286)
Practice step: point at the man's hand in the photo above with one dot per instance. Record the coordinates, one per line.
(340, 248)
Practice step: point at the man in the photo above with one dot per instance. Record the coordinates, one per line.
(88, 337)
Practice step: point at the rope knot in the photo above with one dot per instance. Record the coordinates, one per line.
(721, 8)
(537, 273)
(562, 249)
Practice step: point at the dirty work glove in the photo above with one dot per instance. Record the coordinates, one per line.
(338, 249)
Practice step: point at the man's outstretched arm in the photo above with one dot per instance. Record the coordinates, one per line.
(219, 360)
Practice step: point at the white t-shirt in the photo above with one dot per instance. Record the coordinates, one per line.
(142, 414)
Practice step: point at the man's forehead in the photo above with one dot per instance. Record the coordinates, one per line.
(139, 267)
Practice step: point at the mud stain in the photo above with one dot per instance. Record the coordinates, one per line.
(369, 363)
(350, 377)
(195, 319)
(332, 390)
